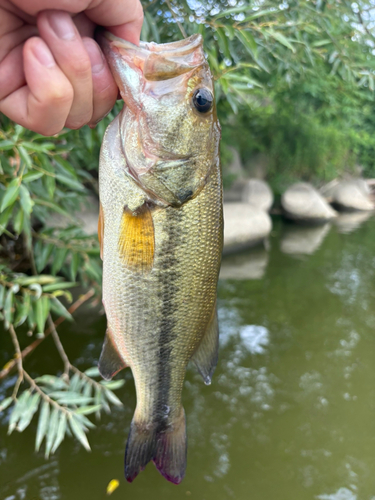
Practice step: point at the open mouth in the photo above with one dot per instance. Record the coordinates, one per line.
(156, 61)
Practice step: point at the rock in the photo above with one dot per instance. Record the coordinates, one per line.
(351, 195)
(303, 240)
(350, 221)
(302, 202)
(244, 226)
(245, 266)
(258, 194)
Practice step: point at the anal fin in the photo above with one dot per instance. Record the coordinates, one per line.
(206, 355)
(110, 361)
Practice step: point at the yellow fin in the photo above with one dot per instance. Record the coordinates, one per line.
(101, 229)
(137, 240)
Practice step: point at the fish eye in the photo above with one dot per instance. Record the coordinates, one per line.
(203, 100)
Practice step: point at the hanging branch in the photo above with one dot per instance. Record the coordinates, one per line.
(18, 360)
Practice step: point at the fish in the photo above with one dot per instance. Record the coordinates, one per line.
(161, 236)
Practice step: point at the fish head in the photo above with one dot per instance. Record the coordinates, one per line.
(169, 128)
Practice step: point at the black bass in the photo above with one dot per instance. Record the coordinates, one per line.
(160, 231)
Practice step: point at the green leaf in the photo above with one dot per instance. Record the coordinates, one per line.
(87, 410)
(8, 308)
(248, 41)
(259, 14)
(18, 410)
(51, 431)
(74, 263)
(53, 206)
(92, 372)
(11, 194)
(223, 42)
(5, 403)
(25, 156)
(59, 286)
(70, 398)
(52, 381)
(78, 431)
(43, 424)
(71, 183)
(60, 433)
(25, 199)
(32, 176)
(58, 259)
(18, 221)
(4, 218)
(112, 397)
(59, 309)
(41, 257)
(43, 148)
(23, 310)
(235, 10)
(282, 39)
(6, 145)
(2, 295)
(113, 384)
(28, 412)
(50, 185)
(41, 312)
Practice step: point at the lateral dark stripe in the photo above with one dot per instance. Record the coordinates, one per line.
(169, 278)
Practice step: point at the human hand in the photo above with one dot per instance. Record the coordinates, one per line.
(52, 73)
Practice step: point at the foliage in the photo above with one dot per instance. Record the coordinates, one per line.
(294, 80)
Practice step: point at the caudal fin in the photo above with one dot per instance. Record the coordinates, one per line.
(164, 444)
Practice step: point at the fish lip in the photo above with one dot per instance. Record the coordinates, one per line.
(177, 49)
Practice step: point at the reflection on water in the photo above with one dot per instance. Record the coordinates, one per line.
(245, 266)
(290, 413)
(302, 240)
(347, 222)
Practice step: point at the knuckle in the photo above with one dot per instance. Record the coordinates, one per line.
(80, 67)
(77, 122)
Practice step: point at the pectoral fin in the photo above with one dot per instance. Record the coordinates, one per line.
(206, 356)
(137, 241)
(110, 361)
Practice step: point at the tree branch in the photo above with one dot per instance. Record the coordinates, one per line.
(18, 360)
(30, 348)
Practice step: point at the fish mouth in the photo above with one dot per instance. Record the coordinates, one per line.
(156, 61)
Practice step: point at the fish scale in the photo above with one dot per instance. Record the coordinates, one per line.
(160, 298)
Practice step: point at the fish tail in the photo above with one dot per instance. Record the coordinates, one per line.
(164, 443)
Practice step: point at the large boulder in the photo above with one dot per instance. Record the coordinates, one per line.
(351, 195)
(302, 202)
(244, 226)
(298, 240)
(258, 194)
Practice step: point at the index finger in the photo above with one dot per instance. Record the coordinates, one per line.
(123, 18)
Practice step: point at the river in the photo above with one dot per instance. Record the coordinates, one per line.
(290, 414)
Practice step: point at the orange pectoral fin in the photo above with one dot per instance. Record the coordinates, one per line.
(101, 229)
(137, 239)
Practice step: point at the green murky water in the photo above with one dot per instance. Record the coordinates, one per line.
(291, 411)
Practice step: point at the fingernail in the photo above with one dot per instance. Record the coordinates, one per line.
(62, 24)
(43, 54)
(95, 55)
